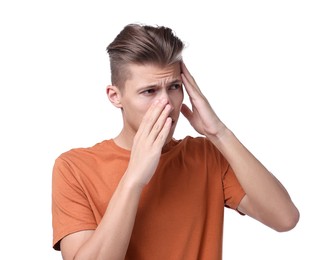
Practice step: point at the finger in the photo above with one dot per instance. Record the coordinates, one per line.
(186, 112)
(187, 74)
(151, 116)
(191, 87)
(190, 90)
(160, 123)
(163, 134)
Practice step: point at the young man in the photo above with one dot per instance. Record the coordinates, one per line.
(143, 194)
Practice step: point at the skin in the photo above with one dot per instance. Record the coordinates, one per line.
(149, 84)
(151, 104)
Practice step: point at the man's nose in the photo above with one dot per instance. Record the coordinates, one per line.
(165, 95)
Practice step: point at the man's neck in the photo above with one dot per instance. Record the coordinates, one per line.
(124, 140)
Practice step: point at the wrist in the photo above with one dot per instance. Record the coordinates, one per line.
(219, 133)
(221, 137)
(131, 182)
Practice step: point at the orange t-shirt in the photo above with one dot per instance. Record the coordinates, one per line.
(180, 213)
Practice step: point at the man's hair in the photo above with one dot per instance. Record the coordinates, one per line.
(142, 45)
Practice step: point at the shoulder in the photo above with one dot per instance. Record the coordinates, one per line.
(202, 149)
(84, 153)
(82, 156)
(193, 147)
(198, 143)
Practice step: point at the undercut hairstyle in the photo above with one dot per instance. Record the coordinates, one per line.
(142, 45)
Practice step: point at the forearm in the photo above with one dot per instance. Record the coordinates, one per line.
(269, 201)
(112, 236)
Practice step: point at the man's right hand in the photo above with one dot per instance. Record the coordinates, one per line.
(148, 143)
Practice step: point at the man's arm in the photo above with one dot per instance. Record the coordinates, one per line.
(266, 199)
(111, 238)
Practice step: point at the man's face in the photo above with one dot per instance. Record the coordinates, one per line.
(147, 84)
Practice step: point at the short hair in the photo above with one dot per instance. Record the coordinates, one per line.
(142, 45)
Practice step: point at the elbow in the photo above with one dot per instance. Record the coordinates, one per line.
(289, 221)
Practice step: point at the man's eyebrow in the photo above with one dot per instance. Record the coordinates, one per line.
(175, 81)
(155, 85)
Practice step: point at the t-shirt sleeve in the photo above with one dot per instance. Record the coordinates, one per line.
(233, 191)
(71, 211)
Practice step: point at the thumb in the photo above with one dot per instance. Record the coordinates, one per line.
(187, 112)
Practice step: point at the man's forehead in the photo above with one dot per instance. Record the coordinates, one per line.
(155, 74)
(138, 69)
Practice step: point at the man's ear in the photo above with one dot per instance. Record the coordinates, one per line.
(114, 95)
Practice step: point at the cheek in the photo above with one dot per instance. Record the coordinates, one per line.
(137, 110)
(179, 99)
(182, 96)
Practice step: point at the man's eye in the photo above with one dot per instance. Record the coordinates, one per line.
(175, 86)
(149, 91)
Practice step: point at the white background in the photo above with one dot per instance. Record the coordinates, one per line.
(260, 63)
